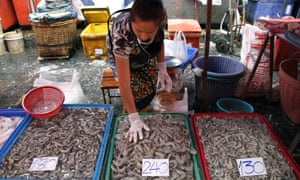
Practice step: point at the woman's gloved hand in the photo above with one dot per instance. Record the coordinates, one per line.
(136, 127)
(163, 76)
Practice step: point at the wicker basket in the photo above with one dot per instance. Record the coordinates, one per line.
(290, 89)
(55, 39)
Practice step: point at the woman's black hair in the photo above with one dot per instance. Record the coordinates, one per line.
(148, 10)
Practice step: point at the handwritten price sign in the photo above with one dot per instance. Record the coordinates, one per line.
(43, 164)
(155, 167)
(251, 167)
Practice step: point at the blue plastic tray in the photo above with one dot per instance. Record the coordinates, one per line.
(101, 155)
(13, 137)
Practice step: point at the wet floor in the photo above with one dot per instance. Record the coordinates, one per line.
(19, 71)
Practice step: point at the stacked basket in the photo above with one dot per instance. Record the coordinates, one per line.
(55, 28)
(55, 40)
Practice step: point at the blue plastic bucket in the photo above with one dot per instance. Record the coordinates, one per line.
(234, 105)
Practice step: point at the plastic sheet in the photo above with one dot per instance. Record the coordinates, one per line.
(53, 16)
(65, 79)
(50, 5)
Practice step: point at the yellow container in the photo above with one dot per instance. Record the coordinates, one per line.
(93, 37)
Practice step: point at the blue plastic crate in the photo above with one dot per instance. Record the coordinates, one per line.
(265, 8)
(102, 149)
(21, 126)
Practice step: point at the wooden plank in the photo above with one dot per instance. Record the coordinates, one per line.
(108, 80)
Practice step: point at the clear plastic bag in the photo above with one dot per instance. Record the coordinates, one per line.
(65, 79)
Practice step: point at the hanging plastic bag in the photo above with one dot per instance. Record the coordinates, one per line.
(176, 47)
(180, 49)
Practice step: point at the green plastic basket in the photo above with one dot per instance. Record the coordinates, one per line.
(198, 175)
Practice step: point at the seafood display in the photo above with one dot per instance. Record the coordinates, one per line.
(7, 126)
(167, 139)
(226, 139)
(74, 136)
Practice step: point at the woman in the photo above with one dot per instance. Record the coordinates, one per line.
(136, 52)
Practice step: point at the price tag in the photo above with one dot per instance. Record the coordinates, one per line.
(43, 164)
(155, 167)
(214, 2)
(99, 51)
(251, 167)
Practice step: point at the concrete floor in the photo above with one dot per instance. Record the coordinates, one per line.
(19, 71)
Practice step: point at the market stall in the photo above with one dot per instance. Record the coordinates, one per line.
(87, 141)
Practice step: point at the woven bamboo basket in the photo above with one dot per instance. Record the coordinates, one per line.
(55, 39)
(289, 88)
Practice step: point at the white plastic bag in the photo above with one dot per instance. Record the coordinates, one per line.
(176, 47)
(180, 45)
(252, 42)
(169, 48)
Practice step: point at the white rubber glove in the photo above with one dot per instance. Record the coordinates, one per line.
(163, 76)
(136, 127)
